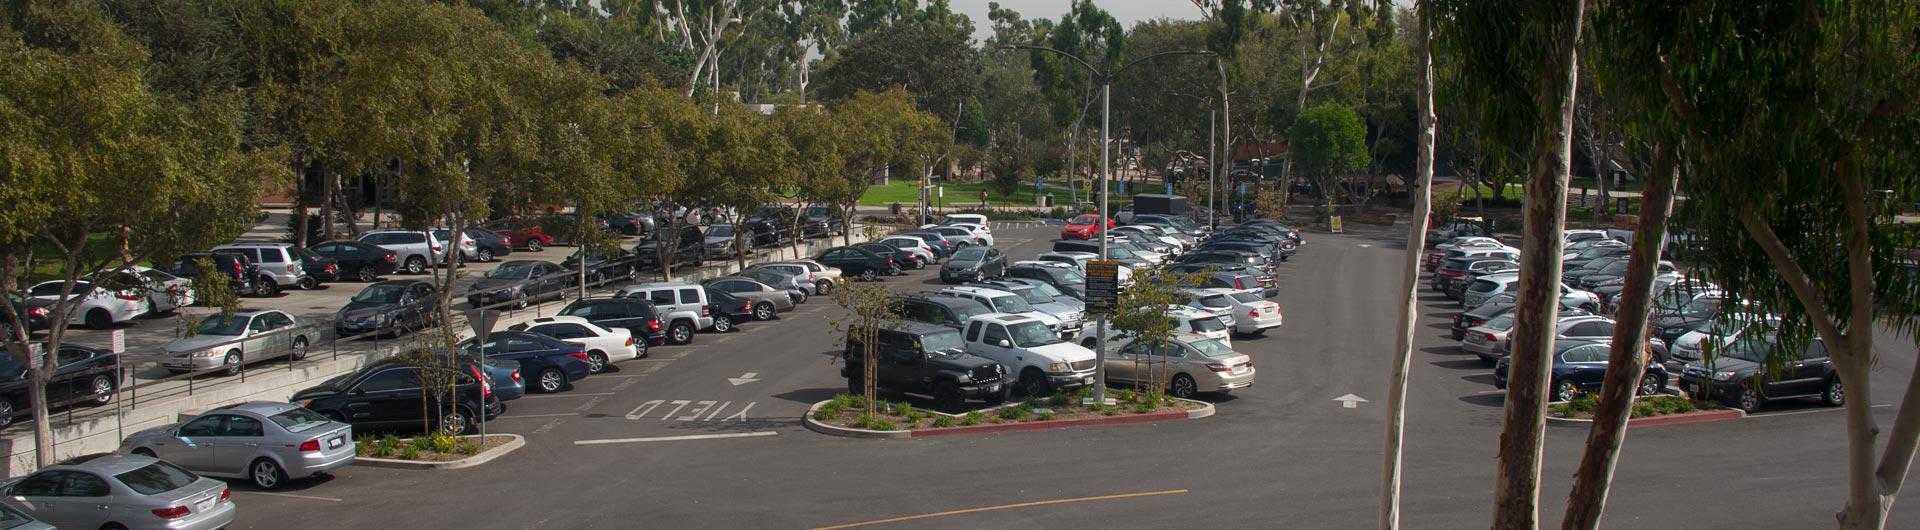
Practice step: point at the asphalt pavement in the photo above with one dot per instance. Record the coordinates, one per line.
(709, 436)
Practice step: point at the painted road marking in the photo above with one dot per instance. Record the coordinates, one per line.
(291, 496)
(676, 438)
(569, 394)
(1003, 507)
(700, 407)
(743, 379)
(519, 416)
(1350, 401)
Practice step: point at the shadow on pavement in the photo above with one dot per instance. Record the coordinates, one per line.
(1486, 400)
(1461, 364)
(808, 396)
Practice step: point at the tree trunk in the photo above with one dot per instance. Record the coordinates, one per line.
(1628, 359)
(1517, 491)
(1422, 196)
(327, 206)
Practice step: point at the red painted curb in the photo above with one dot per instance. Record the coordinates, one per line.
(1691, 417)
(1056, 424)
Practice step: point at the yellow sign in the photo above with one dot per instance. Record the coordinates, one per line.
(1333, 224)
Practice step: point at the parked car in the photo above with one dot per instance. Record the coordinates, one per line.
(244, 279)
(1125, 256)
(1068, 311)
(1184, 225)
(1492, 340)
(942, 310)
(719, 240)
(360, 261)
(1026, 346)
(602, 266)
(1581, 366)
(1618, 271)
(1454, 270)
(520, 282)
(389, 307)
(821, 221)
(965, 219)
(81, 376)
(1457, 228)
(918, 248)
(1252, 314)
(1189, 365)
(13, 519)
(96, 306)
(231, 341)
(728, 311)
(163, 292)
(276, 261)
(267, 443)
(902, 258)
(36, 313)
(1185, 320)
(468, 246)
(1752, 371)
(767, 300)
(982, 235)
(553, 365)
(1693, 345)
(637, 316)
(604, 345)
(795, 277)
(1085, 226)
(1676, 314)
(388, 394)
(1489, 286)
(682, 306)
(415, 250)
(857, 262)
(925, 360)
(942, 247)
(960, 237)
(689, 247)
(824, 278)
(1477, 268)
(1000, 301)
(487, 244)
(120, 491)
(1154, 233)
(784, 280)
(629, 223)
(1060, 276)
(976, 263)
(522, 233)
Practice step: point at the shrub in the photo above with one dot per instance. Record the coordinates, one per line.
(865, 421)
(1059, 400)
(1084, 392)
(1143, 407)
(468, 448)
(363, 446)
(1030, 403)
(943, 421)
(410, 453)
(907, 410)
(442, 442)
(825, 413)
(1013, 413)
(1110, 411)
(1046, 416)
(972, 418)
(421, 443)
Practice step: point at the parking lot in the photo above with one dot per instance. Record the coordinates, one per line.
(708, 435)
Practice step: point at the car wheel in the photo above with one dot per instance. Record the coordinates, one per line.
(102, 389)
(1749, 399)
(416, 265)
(309, 283)
(722, 323)
(232, 362)
(1563, 390)
(596, 362)
(456, 422)
(868, 275)
(299, 349)
(366, 274)
(1035, 383)
(1590, 308)
(823, 288)
(99, 319)
(1649, 385)
(533, 245)
(267, 287)
(266, 475)
(919, 264)
(681, 332)
(800, 297)
(946, 398)
(763, 311)
(483, 255)
(7, 410)
(893, 270)
(145, 452)
(1183, 387)
(520, 302)
(551, 380)
(1836, 393)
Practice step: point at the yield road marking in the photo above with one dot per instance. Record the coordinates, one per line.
(1350, 401)
(743, 379)
(292, 496)
(1004, 507)
(676, 438)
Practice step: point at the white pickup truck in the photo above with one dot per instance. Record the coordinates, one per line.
(1026, 346)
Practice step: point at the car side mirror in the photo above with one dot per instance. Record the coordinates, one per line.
(1004, 343)
(359, 391)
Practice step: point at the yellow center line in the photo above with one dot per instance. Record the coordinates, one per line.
(1004, 507)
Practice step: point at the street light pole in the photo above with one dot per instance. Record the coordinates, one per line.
(1226, 131)
(1213, 166)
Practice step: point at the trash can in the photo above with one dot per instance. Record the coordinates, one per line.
(893, 209)
(1049, 200)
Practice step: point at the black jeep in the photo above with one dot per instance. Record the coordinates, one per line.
(926, 360)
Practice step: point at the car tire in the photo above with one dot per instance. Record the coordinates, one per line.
(763, 311)
(366, 274)
(533, 245)
(309, 283)
(801, 299)
(457, 422)
(1183, 387)
(520, 302)
(299, 351)
(265, 474)
(99, 319)
(681, 332)
(266, 287)
(1749, 400)
(232, 363)
(722, 324)
(596, 362)
(1034, 383)
(551, 380)
(101, 387)
(416, 265)
(946, 398)
(483, 255)
(1562, 390)
(7, 410)
(868, 275)
(1649, 385)
(894, 270)
(1835, 393)
(823, 288)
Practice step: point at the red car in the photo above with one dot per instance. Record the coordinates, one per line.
(522, 235)
(1084, 226)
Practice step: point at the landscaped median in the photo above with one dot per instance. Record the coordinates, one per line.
(845, 415)
(433, 451)
(1647, 411)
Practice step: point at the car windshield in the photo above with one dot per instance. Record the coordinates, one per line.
(511, 271)
(970, 254)
(1207, 325)
(53, 289)
(939, 342)
(1247, 297)
(383, 293)
(1029, 334)
(1502, 322)
(1753, 350)
(1032, 296)
(720, 231)
(1502, 298)
(966, 311)
(1614, 268)
(217, 324)
(298, 420)
(1484, 286)
(1083, 219)
(763, 276)
(1216, 301)
(1119, 252)
(1181, 222)
(1073, 277)
(1011, 304)
(1045, 290)
(156, 478)
(1212, 348)
(1595, 252)
(10, 518)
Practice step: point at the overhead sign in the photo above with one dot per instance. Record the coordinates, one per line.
(1103, 286)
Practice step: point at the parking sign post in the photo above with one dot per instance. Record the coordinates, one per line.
(482, 321)
(119, 376)
(1103, 293)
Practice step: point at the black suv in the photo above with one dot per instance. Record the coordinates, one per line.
(941, 310)
(1751, 372)
(633, 314)
(689, 248)
(927, 361)
(821, 221)
(859, 262)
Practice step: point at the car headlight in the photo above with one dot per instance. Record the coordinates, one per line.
(1058, 367)
(1723, 376)
(963, 378)
(206, 354)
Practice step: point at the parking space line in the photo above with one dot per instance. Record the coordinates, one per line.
(1005, 507)
(518, 416)
(623, 376)
(290, 495)
(676, 438)
(569, 394)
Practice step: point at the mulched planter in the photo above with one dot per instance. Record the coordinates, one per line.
(494, 446)
(1071, 415)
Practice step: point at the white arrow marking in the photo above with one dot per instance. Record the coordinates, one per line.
(1364, 245)
(743, 379)
(1350, 401)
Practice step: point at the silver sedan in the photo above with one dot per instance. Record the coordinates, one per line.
(232, 341)
(264, 442)
(121, 491)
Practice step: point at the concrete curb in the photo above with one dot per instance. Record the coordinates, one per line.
(1671, 419)
(482, 458)
(1205, 410)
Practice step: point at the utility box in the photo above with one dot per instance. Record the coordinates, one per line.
(1154, 203)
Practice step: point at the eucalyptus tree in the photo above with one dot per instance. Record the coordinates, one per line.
(879, 131)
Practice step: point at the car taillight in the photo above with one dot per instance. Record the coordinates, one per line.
(389, 258)
(486, 386)
(226, 494)
(127, 296)
(515, 376)
(289, 268)
(889, 261)
(629, 340)
(653, 325)
(237, 269)
(37, 312)
(171, 512)
(746, 306)
(705, 311)
(310, 446)
(1238, 285)
(1255, 312)
(1491, 338)
(332, 268)
(1217, 367)
(578, 355)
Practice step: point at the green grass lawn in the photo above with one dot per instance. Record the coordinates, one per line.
(967, 193)
(47, 262)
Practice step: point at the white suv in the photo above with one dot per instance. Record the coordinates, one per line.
(681, 306)
(415, 250)
(1000, 301)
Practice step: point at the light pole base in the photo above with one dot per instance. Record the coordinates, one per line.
(1108, 402)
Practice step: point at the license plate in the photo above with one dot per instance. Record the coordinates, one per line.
(993, 387)
(203, 504)
(1240, 369)
(334, 443)
(1087, 380)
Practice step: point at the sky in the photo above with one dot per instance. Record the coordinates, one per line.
(1126, 11)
